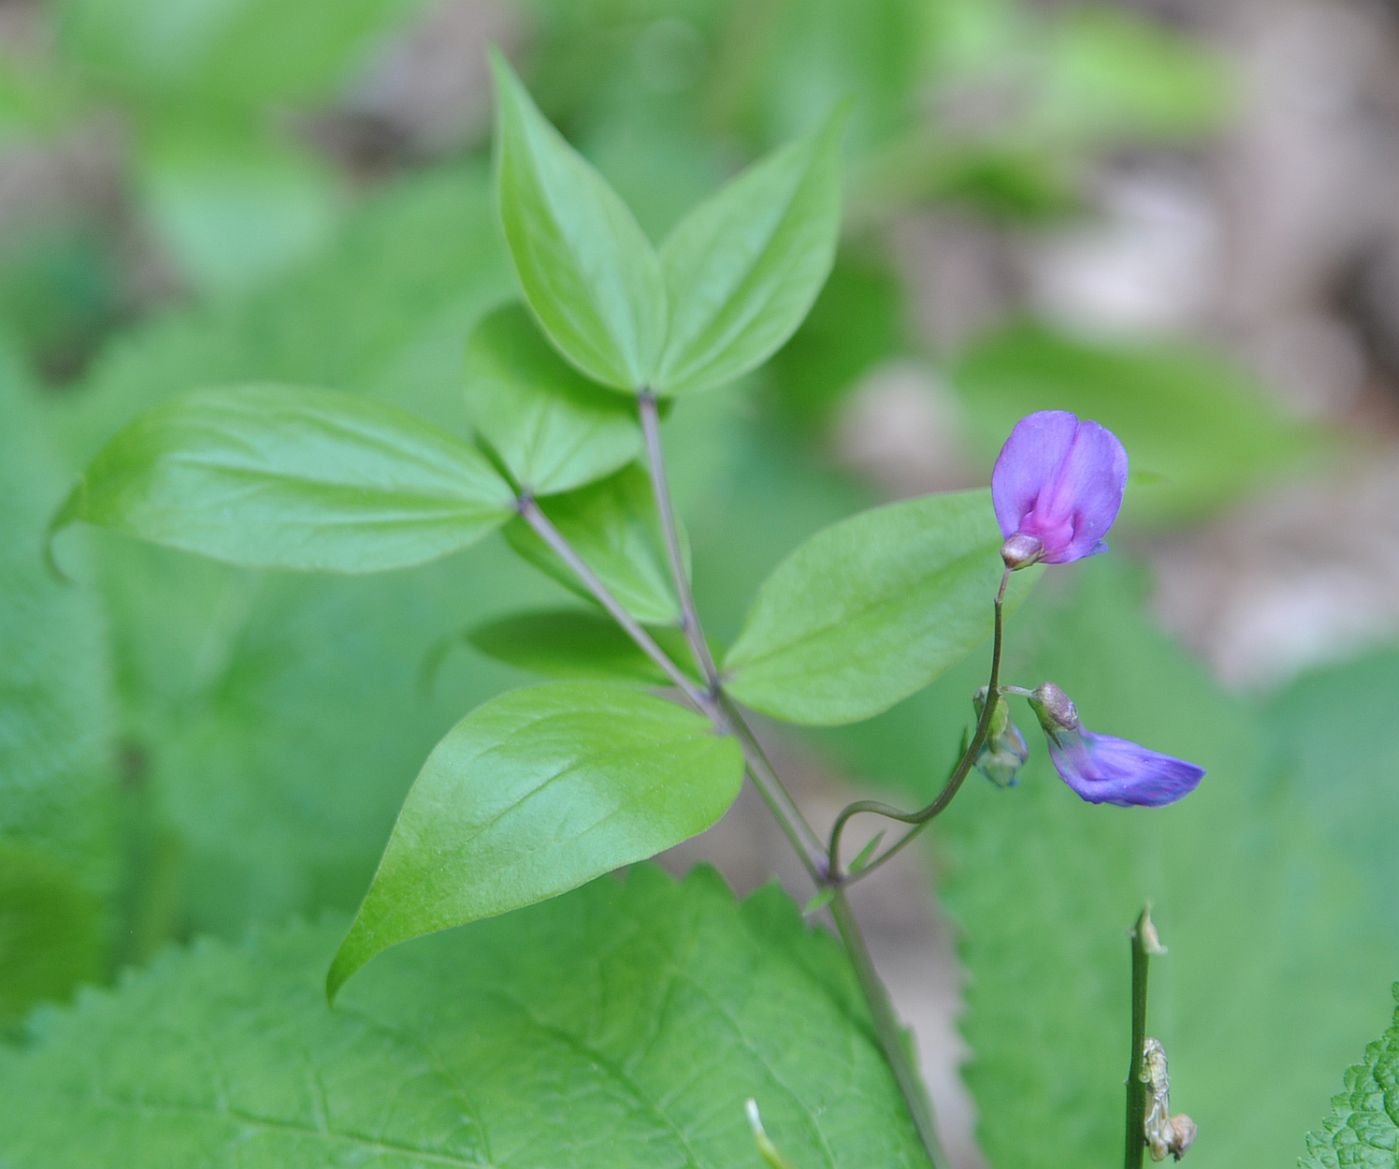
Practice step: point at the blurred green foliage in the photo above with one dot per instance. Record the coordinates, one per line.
(187, 749)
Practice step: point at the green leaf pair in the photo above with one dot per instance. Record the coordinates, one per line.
(727, 288)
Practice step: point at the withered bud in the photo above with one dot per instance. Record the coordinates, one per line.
(1022, 550)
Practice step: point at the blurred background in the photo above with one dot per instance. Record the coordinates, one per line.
(1179, 217)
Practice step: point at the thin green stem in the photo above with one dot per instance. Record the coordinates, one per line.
(887, 1028)
(565, 551)
(961, 769)
(660, 486)
(1143, 942)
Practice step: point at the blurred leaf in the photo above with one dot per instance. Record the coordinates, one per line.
(574, 643)
(613, 526)
(744, 267)
(234, 209)
(871, 609)
(53, 935)
(552, 428)
(622, 776)
(289, 477)
(1182, 413)
(1114, 75)
(855, 324)
(784, 59)
(231, 56)
(589, 274)
(1362, 1131)
(1254, 898)
(656, 1008)
(59, 854)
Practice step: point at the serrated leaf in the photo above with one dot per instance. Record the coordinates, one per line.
(589, 274)
(743, 268)
(614, 527)
(552, 428)
(622, 1027)
(871, 609)
(1362, 1131)
(1158, 398)
(289, 477)
(533, 794)
(574, 643)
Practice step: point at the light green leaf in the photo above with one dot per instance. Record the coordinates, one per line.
(1362, 1131)
(533, 794)
(225, 675)
(574, 643)
(1158, 398)
(744, 267)
(614, 527)
(872, 609)
(588, 272)
(288, 477)
(622, 1027)
(553, 429)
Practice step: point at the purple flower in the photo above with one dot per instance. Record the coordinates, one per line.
(1057, 487)
(1104, 769)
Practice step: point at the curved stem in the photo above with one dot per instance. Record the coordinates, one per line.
(887, 1028)
(660, 486)
(921, 818)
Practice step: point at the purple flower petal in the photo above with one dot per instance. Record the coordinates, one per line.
(1103, 769)
(1027, 462)
(1059, 481)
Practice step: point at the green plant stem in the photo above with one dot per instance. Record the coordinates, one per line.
(1134, 1142)
(887, 1029)
(565, 551)
(924, 816)
(727, 718)
(660, 484)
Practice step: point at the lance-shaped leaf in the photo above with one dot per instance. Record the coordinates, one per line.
(586, 268)
(621, 1027)
(552, 428)
(574, 643)
(872, 609)
(273, 476)
(613, 526)
(535, 793)
(744, 267)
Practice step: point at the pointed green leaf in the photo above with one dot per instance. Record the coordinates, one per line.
(552, 428)
(872, 609)
(287, 477)
(621, 1027)
(533, 794)
(1362, 1131)
(575, 643)
(744, 267)
(588, 272)
(614, 527)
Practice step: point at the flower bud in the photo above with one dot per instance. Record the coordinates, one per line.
(1054, 708)
(1004, 752)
